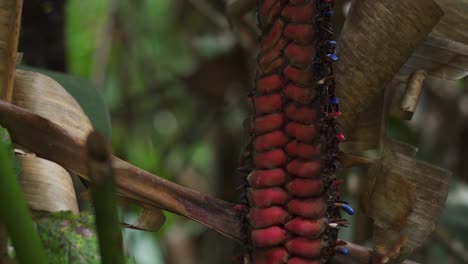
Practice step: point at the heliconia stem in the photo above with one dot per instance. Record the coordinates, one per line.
(292, 205)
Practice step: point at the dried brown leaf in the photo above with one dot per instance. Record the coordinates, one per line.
(405, 198)
(46, 186)
(377, 39)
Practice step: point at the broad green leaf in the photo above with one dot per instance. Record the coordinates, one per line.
(86, 94)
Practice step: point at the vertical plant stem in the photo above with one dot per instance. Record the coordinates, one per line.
(104, 199)
(10, 14)
(15, 216)
(4, 258)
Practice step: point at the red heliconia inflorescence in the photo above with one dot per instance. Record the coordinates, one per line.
(291, 197)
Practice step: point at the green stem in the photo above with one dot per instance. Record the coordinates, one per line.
(104, 200)
(4, 257)
(15, 215)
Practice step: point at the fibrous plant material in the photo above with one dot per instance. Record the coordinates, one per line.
(10, 17)
(292, 201)
(404, 197)
(377, 39)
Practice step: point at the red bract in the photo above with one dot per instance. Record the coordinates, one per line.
(304, 133)
(267, 178)
(268, 123)
(268, 104)
(271, 140)
(270, 236)
(276, 255)
(265, 217)
(270, 159)
(269, 84)
(305, 187)
(291, 190)
(305, 247)
(267, 197)
(310, 208)
(306, 227)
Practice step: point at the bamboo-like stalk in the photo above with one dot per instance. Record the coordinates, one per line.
(10, 21)
(52, 142)
(104, 199)
(14, 214)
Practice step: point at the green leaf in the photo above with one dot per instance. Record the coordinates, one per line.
(6, 140)
(86, 94)
(13, 211)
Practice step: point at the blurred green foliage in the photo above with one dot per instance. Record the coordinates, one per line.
(84, 19)
(14, 215)
(146, 52)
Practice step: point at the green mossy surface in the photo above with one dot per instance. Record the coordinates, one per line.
(69, 238)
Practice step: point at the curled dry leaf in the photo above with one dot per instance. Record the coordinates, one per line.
(374, 45)
(405, 198)
(439, 57)
(150, 219)
(43, 96)
(46, 186)
(427, 39)
(444, 52)
(404, 105)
